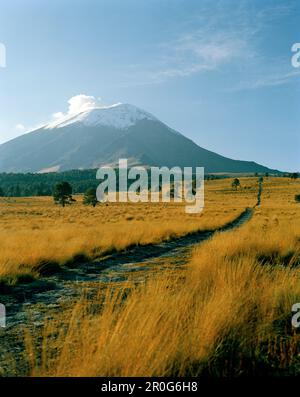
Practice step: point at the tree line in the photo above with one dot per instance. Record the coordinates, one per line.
(30, 184)
(27, 185)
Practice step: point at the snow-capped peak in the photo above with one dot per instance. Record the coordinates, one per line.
(118, 116)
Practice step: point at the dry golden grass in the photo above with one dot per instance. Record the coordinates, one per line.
(34, 230)
(227, 314)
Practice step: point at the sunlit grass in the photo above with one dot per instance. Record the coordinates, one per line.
(34, 231)
(227, 314)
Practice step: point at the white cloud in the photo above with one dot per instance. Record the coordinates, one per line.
(20, 127)
(77, 104)
(270, 80)
(80, 103)
(216, 37)
(200, 51)
(57, 115)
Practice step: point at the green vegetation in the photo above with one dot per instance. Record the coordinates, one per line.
(90, 197)
(62, 193)
(29, 185)
(236, 183)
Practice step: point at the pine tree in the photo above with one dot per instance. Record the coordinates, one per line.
(62, 193)
(90, 197)
(235, 183)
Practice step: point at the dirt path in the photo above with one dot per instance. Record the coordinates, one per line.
(68, 283)
(32, 304)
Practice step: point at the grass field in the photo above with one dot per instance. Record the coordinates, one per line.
(227, 313)
(37, 236)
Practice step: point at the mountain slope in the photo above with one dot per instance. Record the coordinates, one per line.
(102, 136)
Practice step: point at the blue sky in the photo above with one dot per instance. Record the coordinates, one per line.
(217, 71)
